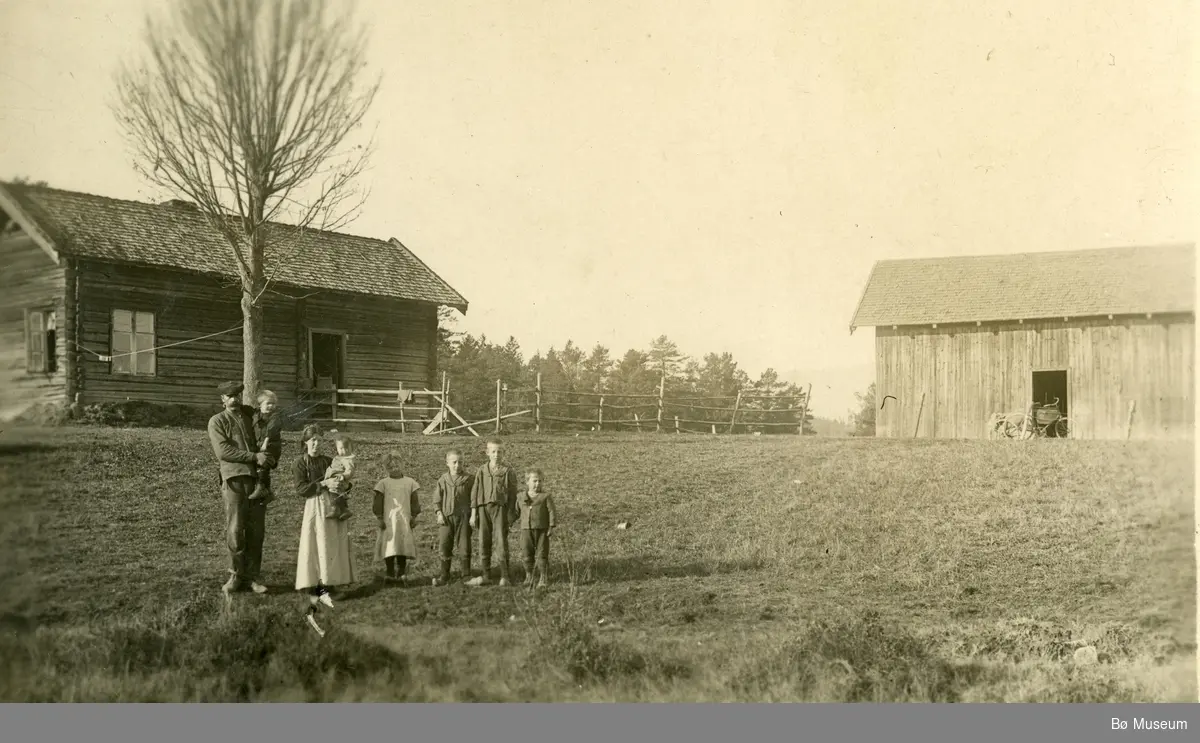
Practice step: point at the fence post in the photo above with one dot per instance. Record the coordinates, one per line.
(637, 422)
(1129, 419)
(804, 408)
(445, 393)
(335, 420)
(662, 383)
(600, 420)
(537, 404)
(737, 403)
(676, 424)
(497, 406)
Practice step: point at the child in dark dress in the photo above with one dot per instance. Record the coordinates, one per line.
(268, 434)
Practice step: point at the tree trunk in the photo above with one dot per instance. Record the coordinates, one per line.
(252, 345)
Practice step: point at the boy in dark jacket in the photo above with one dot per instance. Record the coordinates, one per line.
(538, 519)
(453, 499)
(493, 511)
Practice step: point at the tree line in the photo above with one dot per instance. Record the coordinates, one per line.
(700, 391)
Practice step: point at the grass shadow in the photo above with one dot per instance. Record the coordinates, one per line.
(358, 591)
(14, 449)
(622, 569)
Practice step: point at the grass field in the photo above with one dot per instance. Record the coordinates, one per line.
(772, 569)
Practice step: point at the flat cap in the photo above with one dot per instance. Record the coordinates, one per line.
(231, 389)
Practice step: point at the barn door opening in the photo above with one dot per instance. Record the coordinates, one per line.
(1048, 387)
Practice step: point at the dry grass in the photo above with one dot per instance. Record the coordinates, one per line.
(766, 568)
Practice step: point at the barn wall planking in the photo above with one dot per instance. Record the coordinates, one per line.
(386, 337)
(968, 372)
(31, 280)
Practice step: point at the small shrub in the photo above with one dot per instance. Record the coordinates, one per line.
(568, 641)
(223, 656)
(141, 414)
(857, 660)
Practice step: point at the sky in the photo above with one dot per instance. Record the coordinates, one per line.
(723, 173)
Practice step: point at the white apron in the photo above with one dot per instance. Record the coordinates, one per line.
(396, 538)
(326, 557)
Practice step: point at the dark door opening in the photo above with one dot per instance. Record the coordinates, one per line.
(326, 355)
(1050, 387)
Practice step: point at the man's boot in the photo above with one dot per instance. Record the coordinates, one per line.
(483, 578)
(444, 578)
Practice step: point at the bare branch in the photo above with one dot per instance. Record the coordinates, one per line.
(242, 107)
(252, 110)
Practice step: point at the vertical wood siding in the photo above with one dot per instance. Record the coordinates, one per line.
(30, 280)
(968, 372)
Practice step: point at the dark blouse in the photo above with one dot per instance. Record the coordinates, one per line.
(308, 473)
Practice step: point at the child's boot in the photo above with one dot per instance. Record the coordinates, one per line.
(259, 492)
(504, 581)
(329, 506)
(268, 495)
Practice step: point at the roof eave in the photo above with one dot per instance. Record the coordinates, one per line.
(460, 307)
(861, 297)
(18, 214)
(1029, 318)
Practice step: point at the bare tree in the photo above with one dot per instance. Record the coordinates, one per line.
(247, 108)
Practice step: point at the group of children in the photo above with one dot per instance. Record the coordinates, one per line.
(487, 501)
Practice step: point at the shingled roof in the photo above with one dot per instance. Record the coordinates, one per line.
(177, 235)
(1028, 286)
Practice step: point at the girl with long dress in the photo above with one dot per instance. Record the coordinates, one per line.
(325, 557)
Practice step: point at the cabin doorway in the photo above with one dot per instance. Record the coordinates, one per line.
(326, 371)
(325, 352)
(1049, 387)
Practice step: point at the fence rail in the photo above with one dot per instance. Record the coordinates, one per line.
(430, 412)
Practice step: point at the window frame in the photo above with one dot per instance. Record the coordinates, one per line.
(134, 354)
(48, 362)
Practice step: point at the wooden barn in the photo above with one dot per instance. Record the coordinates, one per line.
(105, 300)
(1109, 333)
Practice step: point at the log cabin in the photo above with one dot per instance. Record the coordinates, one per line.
(1108, 333)
(107, 300)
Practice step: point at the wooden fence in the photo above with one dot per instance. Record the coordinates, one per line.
(551, 409)
(540, 409)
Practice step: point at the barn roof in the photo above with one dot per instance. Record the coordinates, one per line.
(1026, 286)
(177, 235)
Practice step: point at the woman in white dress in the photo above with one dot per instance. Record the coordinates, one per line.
(326, 557)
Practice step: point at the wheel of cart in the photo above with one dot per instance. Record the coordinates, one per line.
(1046, 418)
(1062, 428)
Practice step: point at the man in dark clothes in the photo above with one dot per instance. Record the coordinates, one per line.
(231, 433)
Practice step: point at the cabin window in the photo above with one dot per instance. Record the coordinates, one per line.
(133, 343)
(41, 341)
